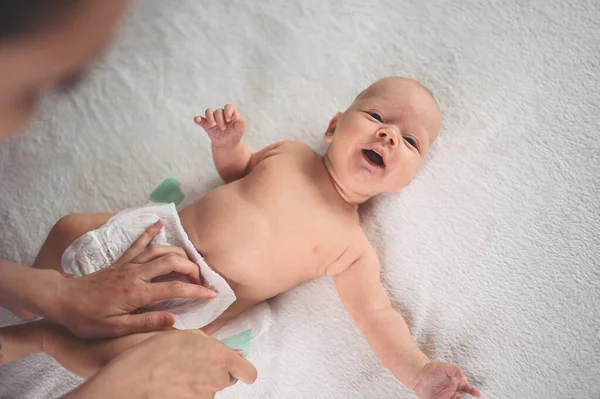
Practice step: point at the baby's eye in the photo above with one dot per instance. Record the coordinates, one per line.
(376, 116)
(411, 141)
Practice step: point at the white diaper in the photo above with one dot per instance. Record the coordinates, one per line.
(102, 247)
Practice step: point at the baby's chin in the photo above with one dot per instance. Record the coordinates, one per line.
(362, 188)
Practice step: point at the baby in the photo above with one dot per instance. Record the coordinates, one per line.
(288, 215)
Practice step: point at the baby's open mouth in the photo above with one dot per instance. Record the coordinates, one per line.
(374, 158)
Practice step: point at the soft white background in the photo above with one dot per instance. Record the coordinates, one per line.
(492, 253)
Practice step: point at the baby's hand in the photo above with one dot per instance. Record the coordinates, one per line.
(443, 381)
(225, 127)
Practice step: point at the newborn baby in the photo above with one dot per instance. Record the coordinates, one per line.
(288, 215)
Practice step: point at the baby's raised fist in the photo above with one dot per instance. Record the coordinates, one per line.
(224, 126)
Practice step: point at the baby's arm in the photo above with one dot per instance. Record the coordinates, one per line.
(233, 159)
(225, 127)
(363, 295)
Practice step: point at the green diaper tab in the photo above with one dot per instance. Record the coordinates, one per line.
(168, 191)
(240, 341)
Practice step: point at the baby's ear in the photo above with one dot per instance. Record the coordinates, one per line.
(331, 129)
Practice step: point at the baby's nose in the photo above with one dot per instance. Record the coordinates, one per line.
(389, 137)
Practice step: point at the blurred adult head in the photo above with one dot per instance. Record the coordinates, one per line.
(46, 44)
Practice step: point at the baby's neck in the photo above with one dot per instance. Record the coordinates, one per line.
(350, 198)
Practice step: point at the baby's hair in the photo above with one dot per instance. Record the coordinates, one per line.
(24, 17)
(428, 91)
(419, 83)
(360, 94)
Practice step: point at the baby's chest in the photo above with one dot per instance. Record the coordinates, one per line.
(306, 245)
(286, 251)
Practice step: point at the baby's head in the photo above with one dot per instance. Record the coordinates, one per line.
(378, 144)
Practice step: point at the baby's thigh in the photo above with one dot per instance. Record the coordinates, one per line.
(64, 232)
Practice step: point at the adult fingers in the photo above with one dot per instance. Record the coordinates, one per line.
(228, 112)
(156, 251)
(233, 380)
(142, 242)
(169, 263)
(144, 322)
(178, 289)
(240, 368)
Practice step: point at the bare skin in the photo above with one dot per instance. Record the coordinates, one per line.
(50, 50)
(50, 58)
(288, 215)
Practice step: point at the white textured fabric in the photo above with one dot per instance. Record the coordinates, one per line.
(102, 247)
(491, 253)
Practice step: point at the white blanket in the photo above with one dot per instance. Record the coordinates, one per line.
(491, 253)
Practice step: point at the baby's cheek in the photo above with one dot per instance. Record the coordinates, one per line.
(407, 170)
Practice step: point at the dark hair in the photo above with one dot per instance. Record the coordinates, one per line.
(24, 17)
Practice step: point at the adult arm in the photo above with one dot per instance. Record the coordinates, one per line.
(176, 364)
(100, 305)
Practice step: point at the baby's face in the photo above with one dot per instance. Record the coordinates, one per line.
(379, 143)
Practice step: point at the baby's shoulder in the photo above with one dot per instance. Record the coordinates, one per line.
(294, 146)
(289, 147)
(357, 247)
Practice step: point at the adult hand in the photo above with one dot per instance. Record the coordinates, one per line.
(99, 305)
(174, 364)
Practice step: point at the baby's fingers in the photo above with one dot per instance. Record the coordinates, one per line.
(210, 119)
(464, 386)
(229, 112)
(220, 119)
(200, 121)
(471, 390)
(239, 123)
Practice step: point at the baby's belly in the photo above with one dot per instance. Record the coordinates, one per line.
(242, 243)
(251, 267)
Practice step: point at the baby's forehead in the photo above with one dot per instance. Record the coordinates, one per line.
(403, 98)
(394, 88)
(395, 98)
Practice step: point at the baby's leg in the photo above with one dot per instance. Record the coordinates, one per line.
(17, 342)
(82, 357)
(86, 357)
(65, 231)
